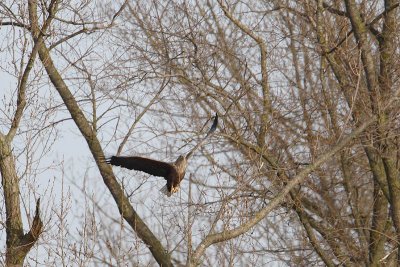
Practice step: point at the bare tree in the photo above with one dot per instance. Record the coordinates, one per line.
(302, 170)
(291, 79)
(43, 23)
(18, 243)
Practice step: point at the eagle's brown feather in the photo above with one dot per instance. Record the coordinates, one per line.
(150, 166)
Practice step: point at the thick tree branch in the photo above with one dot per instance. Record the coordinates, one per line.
(315, 242)
(29, 239)
(10, 183)
(21, 101)
(378, 88)
(229, 234)
(370, 26)
(18, 244)
(124, 206)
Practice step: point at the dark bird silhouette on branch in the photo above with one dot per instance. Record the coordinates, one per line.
(172, 172)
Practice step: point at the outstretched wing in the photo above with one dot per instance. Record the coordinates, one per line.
(211, 131)
(150, 166)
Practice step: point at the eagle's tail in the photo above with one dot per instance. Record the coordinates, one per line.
(165, 191)
(106, 159)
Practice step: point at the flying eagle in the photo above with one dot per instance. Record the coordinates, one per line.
(172, 172)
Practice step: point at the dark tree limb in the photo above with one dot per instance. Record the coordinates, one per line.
(18, 244)
(29, 239)
(125, 208)
(370, 25)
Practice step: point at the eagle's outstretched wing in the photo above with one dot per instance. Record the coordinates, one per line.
(150, 166)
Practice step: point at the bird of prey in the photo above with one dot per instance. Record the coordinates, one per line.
(172, 172)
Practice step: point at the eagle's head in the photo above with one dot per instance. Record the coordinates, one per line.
(181, 164)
